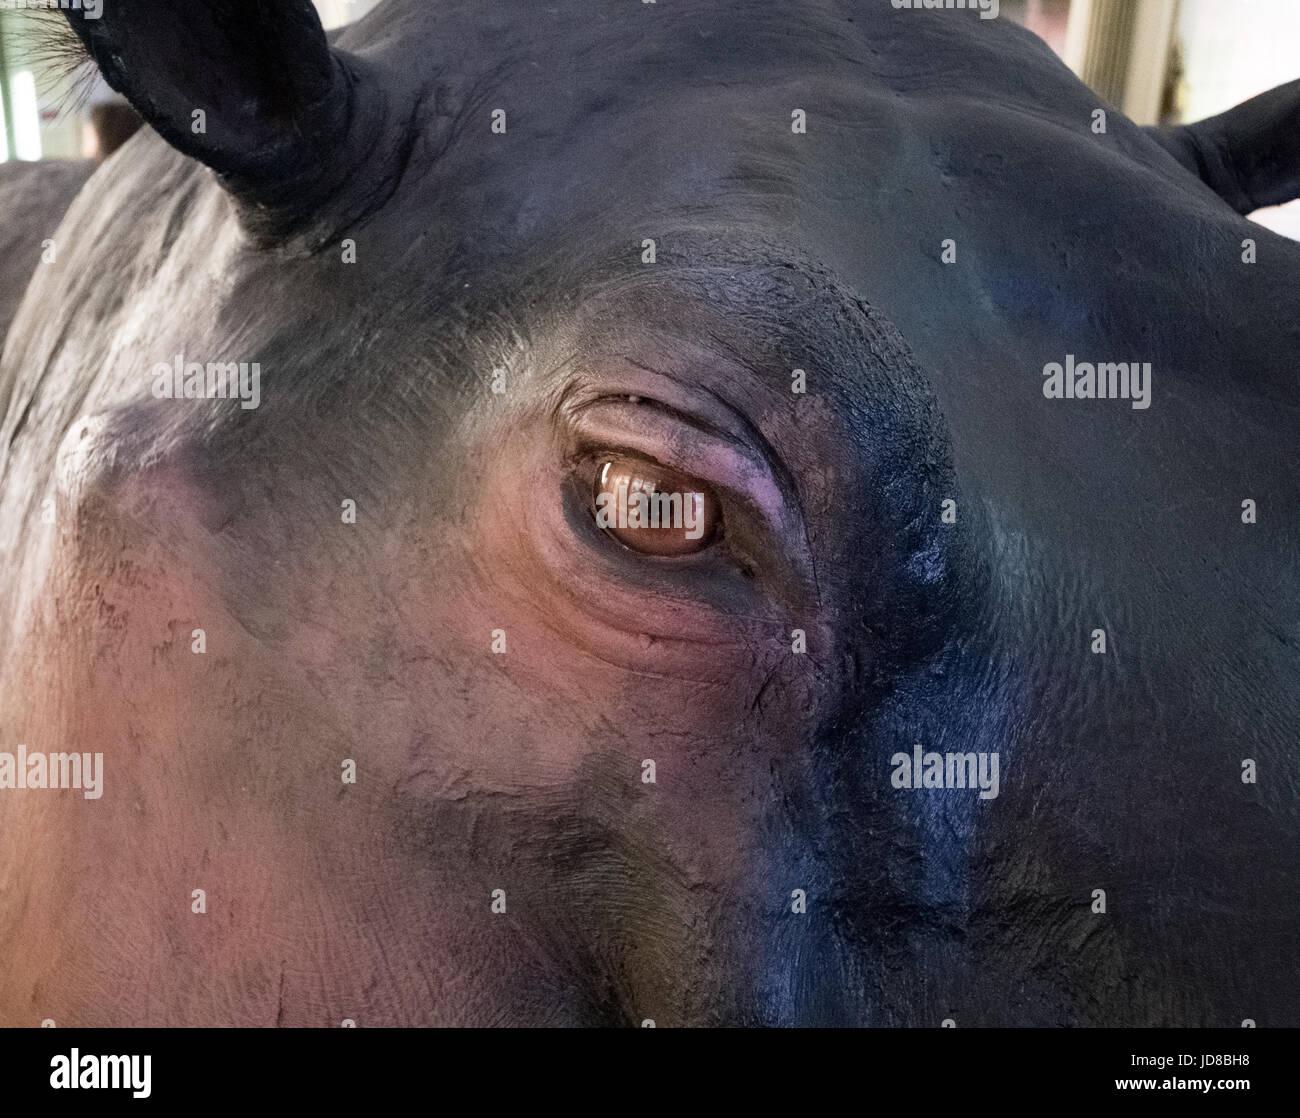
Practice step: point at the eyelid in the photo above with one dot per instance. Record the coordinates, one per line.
(739, 474)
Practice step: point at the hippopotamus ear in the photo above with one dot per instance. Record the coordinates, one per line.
(1250, 155)
(249, 87)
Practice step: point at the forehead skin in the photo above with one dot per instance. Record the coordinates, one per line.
(775, 250)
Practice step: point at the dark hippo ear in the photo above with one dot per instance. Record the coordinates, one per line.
(249, 87)
(1250, 155)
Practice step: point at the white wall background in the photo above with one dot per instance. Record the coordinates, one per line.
(335, 13)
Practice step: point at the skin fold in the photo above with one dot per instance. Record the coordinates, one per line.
(522, 770)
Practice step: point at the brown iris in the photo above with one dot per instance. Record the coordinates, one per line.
(652, 509)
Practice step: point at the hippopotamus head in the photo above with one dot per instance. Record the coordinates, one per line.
(329, 438)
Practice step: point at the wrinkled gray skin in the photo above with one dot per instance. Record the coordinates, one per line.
(523, 771)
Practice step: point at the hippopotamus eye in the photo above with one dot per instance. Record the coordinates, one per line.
(654, 510)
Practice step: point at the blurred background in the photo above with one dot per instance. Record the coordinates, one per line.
(1161, 61)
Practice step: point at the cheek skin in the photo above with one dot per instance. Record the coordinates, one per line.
(222, 768)
(190, 782)
(545, 717)
(222, 772)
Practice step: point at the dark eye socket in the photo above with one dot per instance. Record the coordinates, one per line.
(652, 509)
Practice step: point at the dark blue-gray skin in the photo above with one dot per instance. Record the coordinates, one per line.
(499, 669)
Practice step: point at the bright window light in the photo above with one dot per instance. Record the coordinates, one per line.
(27, 116)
